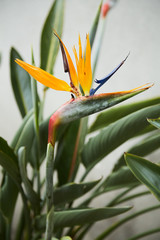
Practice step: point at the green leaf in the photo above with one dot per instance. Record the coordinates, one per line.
(67, 148)
(25, 137)
(123, 178)
(115, 134)
(95, 25)
(21, 84)
(146, 172)
(49, 43)
(30, 193)
(142, 148)
(114, 114)
(76, 217)
(9, 162)
(20, 130)
(155, 122)
(9, 188)
(72, 191)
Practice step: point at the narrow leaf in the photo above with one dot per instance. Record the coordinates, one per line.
(67, 147)
(72, 191)
(146, 172)
(116, 134)
(21, 84)
(80, 217)
(109, 116)
(123, 178)
(155, 122)
(49, 44)
(94, 27)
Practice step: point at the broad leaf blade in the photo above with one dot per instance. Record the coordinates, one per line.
(146, 172)
(116, 134)
(142, 148)
(9, 189)
(21, 84)
(19, 131)
(72, 191)
(8, 161)
(25, 137)
(107, 117)
(49, 43)
(80, 217)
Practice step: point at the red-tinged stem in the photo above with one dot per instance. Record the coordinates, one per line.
(105, 9)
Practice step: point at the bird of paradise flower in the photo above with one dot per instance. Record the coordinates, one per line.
(83, 102)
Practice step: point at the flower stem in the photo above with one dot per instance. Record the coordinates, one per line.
(49, 191)
(49, 224)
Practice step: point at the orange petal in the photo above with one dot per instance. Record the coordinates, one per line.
(44, 77)
(80, 67)
(87, 68)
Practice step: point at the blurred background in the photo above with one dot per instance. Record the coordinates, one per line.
(131, 26)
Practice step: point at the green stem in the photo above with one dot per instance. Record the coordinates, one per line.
(139, 236)
(42, 103)
(49, 191)
(27, 216)
(49, 176)
(85, 230)
(116, 199)
(124, 220)
(133, 196)
(49, 224)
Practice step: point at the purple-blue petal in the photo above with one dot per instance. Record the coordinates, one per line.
(105, 79)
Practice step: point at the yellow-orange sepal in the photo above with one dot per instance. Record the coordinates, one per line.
(44, 77)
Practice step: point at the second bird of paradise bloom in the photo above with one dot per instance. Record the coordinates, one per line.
(80, 77)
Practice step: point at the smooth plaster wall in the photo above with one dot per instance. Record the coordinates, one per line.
(132, 25)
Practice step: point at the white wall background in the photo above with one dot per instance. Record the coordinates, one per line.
(133, 25)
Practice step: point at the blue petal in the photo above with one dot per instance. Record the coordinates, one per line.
(105, 79)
